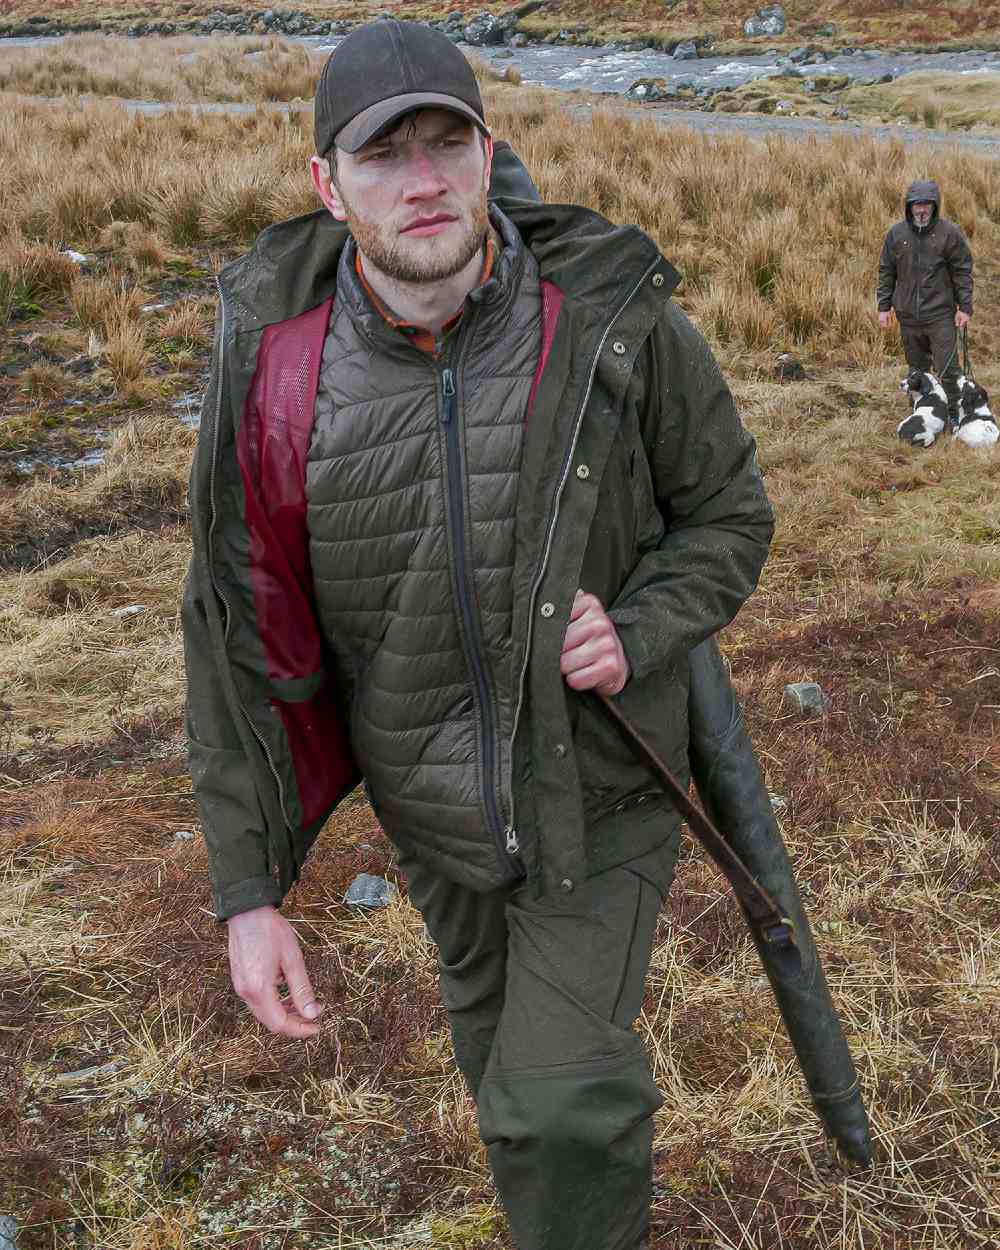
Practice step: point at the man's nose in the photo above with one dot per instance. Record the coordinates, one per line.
(423, 179)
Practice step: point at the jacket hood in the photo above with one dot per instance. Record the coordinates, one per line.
(292, 266)
(922, 191)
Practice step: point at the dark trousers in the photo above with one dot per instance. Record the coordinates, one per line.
(934, 345)
(541, 995)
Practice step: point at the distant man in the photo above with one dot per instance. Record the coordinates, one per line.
(925, 276)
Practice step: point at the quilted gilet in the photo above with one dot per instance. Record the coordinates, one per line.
(411, 488)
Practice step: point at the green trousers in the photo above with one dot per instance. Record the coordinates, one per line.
(541, 995)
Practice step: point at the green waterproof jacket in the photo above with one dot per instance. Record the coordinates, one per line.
(638, 483)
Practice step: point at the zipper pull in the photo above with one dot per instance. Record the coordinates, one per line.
(510, 840)
(448, 393)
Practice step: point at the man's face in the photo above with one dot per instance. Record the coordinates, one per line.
(922, 211)
(415, 199)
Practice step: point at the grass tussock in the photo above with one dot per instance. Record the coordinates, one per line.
(941, 101)
(142, 1106)
(180, 70)
(30, 274)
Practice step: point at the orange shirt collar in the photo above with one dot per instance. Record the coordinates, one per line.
(420, 336)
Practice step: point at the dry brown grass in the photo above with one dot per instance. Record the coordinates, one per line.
(142, 1109)
(30, 273)
(185, 69)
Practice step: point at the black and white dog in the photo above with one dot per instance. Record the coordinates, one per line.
(930, 408)
(977, 426)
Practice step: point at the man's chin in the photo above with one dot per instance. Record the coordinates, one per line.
(432, 258)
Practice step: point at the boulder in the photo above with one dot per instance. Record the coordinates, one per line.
(647, 89)
(767, 21)
(686, 52)
(487, 31)
(8, 1232)
(798, 55)
(519, 41)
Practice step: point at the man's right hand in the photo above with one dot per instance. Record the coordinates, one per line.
(263, 952)
(885, 319)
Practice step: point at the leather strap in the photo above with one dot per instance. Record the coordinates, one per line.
(761, 909)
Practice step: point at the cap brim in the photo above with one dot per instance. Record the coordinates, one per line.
(367, 125)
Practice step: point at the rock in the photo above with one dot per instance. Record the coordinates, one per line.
(367, 890)
(183, 835)
(788, 369)
(808, 85)
(777, 802)
(8, 1231)
(486, 31)
(784, 106)
(798, 55)
(522, 10)
(78, 258)
(518, 40)
(806, 696)
(647, 89)
(686, 52)
(841, 113)
(684, 82)
(831, 82)
(503, 55)
(80, 366)
(132, 609)
(767, 21)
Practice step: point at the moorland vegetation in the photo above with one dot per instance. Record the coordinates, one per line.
(663, 23)
(142, 1108)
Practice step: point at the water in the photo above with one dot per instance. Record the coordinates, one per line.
(612, 70)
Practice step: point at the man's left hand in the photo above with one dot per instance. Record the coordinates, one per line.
(592, 653)
(962, 319)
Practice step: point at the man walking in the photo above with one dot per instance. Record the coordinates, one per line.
(463, 467)
(925, 275)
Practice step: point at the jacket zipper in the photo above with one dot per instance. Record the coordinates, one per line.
(211, 569)
(505, 836)
(554, 516)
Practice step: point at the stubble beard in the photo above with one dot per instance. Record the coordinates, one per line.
(391, 254)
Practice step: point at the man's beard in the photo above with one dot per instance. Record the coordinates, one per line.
(390, 254)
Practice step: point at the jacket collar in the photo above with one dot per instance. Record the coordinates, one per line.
(494, 296)
(293, 265)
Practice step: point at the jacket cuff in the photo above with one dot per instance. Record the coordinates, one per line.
(627, 624)
(245, 896)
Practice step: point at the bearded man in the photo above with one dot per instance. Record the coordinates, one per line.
(463, 465)
(925, 277)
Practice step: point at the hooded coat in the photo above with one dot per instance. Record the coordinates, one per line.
(925, 273)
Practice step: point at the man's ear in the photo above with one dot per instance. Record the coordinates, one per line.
(488, 154)
(319, 168)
